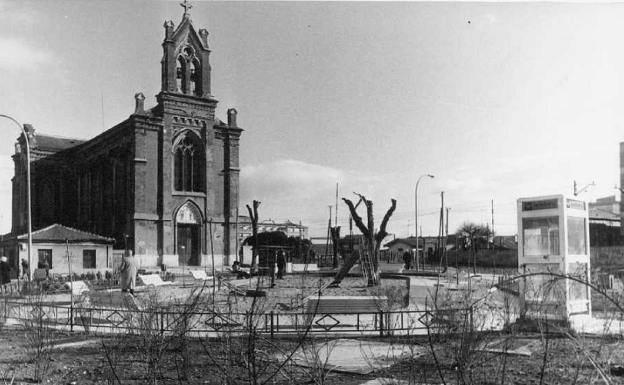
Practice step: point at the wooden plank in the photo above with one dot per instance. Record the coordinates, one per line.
(152, 279)
(302, 267)
(200, 275)
(236, 289)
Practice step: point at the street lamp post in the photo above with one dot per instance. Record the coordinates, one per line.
(28, 197)
(416, 217)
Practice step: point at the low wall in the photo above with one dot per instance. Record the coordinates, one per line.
(610, 257)
(484, 258)
(152, 261)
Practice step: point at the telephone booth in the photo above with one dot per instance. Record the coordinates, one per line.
(553, 241)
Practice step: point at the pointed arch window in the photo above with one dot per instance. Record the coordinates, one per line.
(195, 78)
(189, 165)
(181, 75)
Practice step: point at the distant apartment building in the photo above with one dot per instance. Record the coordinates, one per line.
(287, 227)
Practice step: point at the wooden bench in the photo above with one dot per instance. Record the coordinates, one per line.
(303, 267)
(152, 280)
(200, 275)
(345, 304)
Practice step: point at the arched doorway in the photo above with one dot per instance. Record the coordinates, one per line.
(188, 235)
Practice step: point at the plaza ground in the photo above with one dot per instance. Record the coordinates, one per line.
(547, 357)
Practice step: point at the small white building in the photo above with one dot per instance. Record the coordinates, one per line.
(62, 247)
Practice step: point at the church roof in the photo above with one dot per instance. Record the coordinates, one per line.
(60, 234)
(55, 143)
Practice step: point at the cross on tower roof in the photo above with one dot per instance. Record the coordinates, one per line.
(186, 6)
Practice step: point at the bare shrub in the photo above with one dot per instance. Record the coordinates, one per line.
(159, 334)
(38, 334)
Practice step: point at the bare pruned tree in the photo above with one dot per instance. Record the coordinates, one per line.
(372, 241)
(253, 215)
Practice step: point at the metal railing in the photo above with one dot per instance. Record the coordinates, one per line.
(213, 322)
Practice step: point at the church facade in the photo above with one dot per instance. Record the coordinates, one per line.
(163, 183)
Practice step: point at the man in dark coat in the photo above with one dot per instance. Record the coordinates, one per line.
(271, 262)
(5, 271)
(407, 259)
(281, 264)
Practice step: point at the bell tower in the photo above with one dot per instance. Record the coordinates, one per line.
(185, 63)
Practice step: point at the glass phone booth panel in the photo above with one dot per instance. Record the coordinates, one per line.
(553, 257)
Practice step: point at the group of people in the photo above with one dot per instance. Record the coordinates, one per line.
(5, 270)
(276, 263)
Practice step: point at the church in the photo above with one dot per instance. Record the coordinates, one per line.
(163, 183)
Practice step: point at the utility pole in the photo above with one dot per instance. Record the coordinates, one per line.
(447, 234)
(336, 221)
(328, 231)
(441, 248)
(492, 216)
(493, 233)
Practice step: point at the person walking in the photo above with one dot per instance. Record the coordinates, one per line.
(281, 264)
(25, 271)
(46, 266)
(128, 270)
(5, 271)
(407, 259)
(272, 261)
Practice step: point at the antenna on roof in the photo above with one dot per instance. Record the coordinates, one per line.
(102, 99)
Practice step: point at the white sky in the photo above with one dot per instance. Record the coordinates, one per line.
(498, 100)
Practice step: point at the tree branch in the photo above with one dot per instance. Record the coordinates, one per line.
(382, 229)
(358, 220)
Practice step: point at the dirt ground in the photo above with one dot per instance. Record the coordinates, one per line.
(454, 358)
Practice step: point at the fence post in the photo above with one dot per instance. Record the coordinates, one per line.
(381, 324)
(271, 315)
(71, 318)
(162, 322)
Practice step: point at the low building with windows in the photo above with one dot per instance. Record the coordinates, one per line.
(287, 227)
(65, 249)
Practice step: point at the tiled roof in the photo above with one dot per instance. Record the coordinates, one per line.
(59, 233)
(55, 143)
(600, 214)
(407, 241)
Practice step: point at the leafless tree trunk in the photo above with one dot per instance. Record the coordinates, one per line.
(335, 235)
(253, 215)
(372, 240)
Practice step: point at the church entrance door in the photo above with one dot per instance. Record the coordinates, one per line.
(188, 245)
(188, 235)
